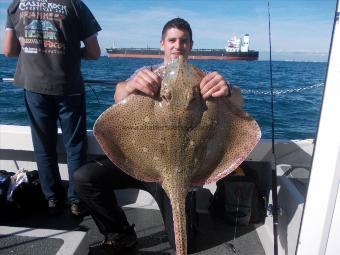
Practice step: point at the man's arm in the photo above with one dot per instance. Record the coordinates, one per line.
(91, 51)
(11, 47)
(144, 81)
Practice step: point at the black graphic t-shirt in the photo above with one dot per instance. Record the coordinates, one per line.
(50, 34)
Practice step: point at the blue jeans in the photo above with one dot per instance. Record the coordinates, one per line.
(44, 111)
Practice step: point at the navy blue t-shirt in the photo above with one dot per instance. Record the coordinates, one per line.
(50, 34)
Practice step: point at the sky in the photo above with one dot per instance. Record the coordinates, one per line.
(300, 29)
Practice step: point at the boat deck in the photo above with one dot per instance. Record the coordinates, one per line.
(40, 234)
(213, 236)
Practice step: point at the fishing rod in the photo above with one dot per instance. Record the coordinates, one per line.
(275, 206)
(109, 82)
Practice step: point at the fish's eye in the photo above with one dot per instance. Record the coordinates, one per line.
(167, 95)
(195, 92)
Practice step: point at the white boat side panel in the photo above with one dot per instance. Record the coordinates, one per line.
(15, 138)
(291, 202)
(333, 246)
(296, 153)
(265, 233)
(18, 138)
(325, 174)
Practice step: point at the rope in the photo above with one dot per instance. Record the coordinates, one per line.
(280, 91)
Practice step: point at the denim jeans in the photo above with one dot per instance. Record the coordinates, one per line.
(44, 112)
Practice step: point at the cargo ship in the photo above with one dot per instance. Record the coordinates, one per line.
(235, 49)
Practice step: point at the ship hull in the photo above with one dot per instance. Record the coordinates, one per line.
(196, 54)
(128, 55)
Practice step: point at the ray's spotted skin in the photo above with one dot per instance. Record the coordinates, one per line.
(177, 138)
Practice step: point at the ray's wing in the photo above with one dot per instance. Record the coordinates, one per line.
(232, 140)
(124, 132)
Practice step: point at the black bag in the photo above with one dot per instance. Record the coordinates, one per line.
(237, 198)
(28, 196)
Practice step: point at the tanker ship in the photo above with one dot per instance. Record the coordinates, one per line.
(235, 49)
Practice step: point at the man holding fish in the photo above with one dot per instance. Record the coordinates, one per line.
(96, 180)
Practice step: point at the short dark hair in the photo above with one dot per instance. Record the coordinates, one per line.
(178, 23)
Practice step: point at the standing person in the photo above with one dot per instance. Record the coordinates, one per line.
(47, 36)
(96, 180)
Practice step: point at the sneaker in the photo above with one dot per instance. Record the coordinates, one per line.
(77, 209)
(115, 242)
(102, 249)
(55, 207)
(126, 239)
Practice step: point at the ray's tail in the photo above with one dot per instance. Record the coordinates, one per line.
(177, 199)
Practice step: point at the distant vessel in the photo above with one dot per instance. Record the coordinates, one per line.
(236, 49)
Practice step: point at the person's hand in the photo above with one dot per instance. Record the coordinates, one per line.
(144, 81)
(213, 85)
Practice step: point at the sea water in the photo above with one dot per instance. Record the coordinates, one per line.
(298, 88)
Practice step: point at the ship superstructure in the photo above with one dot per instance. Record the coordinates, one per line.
(238, 44)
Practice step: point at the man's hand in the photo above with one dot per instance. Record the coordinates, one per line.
(144, 81)
(214, 85)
